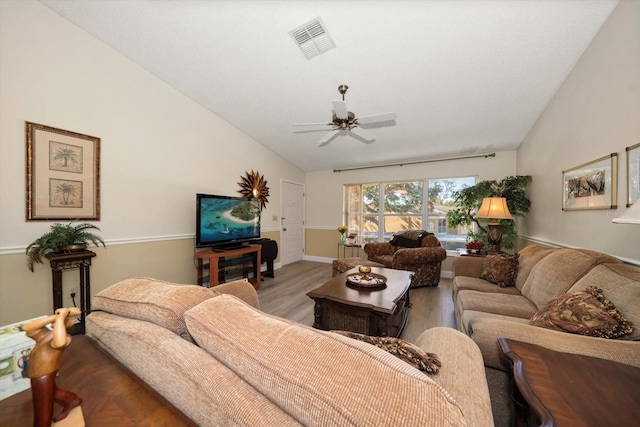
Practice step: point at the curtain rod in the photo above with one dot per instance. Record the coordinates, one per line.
(413, 162)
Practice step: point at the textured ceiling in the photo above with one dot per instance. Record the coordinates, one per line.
(463, 77)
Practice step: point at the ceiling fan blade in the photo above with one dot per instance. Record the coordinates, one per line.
(327, 138)
(363, 134)
(312, 124)
(384, 117)
(340, 108)
(310, 127)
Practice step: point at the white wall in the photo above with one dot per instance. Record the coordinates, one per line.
(158, 149)
(324, 206)
(596, 112)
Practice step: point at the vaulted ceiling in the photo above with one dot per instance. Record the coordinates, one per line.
(463, 77)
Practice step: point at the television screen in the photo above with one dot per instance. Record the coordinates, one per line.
(226, 221)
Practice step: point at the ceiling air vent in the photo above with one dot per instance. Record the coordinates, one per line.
(312, 38)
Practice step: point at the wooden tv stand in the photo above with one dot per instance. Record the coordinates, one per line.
(244, 256)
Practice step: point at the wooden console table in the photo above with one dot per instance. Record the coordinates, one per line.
(111, 394)
(564, 389)
(69, 261)
(242, 256)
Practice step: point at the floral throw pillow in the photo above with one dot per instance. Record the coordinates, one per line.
(404, 350)
(500, 269)
(586, 313)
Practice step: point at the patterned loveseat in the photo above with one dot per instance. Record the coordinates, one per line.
(412, 250)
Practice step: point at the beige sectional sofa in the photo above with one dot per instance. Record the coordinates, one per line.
(215, 356)
(485, 311)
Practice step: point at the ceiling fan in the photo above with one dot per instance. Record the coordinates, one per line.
(347, 122)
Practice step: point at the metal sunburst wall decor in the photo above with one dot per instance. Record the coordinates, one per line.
(254, 186)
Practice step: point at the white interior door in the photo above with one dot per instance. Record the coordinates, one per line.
(292, 221)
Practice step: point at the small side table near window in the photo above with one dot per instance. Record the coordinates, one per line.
(348, 245)
(565, 389)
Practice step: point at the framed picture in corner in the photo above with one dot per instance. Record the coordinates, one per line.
(633, 174)
(591, 185)
(63, 174)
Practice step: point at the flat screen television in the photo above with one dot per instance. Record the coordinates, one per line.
(225, 222)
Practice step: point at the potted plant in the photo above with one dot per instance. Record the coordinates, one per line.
(62, 237)
(469, 199)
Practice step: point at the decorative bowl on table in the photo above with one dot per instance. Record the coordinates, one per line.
(367, 280)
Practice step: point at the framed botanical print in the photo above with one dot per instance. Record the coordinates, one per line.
(63, 174)
(591, 185)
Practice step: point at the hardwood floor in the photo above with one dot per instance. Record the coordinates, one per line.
(285, 296)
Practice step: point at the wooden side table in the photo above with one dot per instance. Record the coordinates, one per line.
(348, 245)
(61, 262)
(564, 389)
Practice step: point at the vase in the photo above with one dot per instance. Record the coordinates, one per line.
(343, 238)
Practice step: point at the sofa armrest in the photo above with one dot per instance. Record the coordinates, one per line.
(380, 248)
(468, 266)
(485, 332)
(423, 255)
(241, 289)
(462, 373)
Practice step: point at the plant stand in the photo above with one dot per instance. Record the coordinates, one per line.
(69, 261)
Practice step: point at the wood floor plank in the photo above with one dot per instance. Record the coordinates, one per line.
(285, 296)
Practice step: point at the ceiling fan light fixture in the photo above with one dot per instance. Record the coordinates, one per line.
(345, 122)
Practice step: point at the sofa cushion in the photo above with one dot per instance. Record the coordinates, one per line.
(621, 284)
(319, 378)
(187, 376)
(558, 271)
(153, 301)
(471, 316)
(403, 350)
(386, 260)
(585, 313)
(529, 257)
(461, 283)
(500, 269)
(462, 373)
(497, 303)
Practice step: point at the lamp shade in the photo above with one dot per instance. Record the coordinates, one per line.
(630, 216)
(494, 208)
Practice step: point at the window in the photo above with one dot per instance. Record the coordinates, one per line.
(376, 211)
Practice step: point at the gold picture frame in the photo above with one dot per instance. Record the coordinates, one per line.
(591, 185)
(633, 174)
(63, 174)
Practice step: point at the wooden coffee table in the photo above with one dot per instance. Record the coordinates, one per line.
(112, 395)
(564, 389)
(376, 312)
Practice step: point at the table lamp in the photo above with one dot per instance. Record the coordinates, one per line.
(630, 216)
(494, 208)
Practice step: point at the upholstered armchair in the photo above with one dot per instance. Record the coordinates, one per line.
(425, 260)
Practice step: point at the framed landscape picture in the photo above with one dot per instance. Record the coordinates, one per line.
(633, 174)
(591, 185)
(63, 174)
